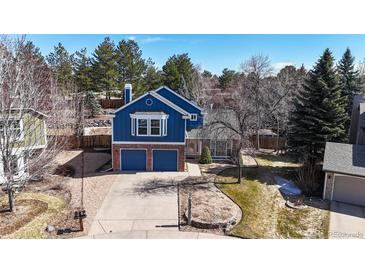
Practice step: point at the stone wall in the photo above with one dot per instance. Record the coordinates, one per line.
(148, 147)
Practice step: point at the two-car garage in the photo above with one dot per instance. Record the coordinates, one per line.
(138, 159)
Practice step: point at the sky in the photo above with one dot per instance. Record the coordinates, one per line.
(216, 52)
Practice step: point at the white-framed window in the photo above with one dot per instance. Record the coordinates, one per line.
(147, 124)
(133, 126)
(194, 117)
(142, 128)
(155, 127)
(15, 129)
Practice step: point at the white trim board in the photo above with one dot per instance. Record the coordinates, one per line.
(178, 95)
(147, 143)
(185, 114)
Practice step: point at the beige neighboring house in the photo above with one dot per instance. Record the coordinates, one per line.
(344, 164)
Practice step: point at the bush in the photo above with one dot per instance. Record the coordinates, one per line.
(205, 157)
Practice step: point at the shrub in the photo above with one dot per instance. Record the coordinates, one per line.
(205, 157)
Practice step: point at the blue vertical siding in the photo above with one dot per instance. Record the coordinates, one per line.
(185, 106)
(122, 122)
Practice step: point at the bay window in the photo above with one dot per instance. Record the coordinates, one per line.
(149, 124)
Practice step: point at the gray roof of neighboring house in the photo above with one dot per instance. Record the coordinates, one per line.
(216, 131)
(345, 158)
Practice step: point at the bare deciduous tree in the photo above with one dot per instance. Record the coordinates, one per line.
(29, 102)
(256, 69)
(237, 121)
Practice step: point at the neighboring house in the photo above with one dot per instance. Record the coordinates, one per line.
(29, 133)
(149, 132)
(221, 141)
(344, 164)
(357, 129)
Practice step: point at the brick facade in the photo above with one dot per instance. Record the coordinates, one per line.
(117, 147)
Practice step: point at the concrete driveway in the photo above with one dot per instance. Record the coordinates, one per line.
(145, 201)
(347, 221)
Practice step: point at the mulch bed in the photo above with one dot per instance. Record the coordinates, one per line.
(211, 213)
(24, 212)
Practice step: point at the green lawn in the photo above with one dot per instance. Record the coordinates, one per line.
(264, 212)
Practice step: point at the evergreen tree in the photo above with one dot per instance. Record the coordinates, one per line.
(152, 78)
(61, 65)
(227, 78)
(131, 66)
(92, 103)
(104, 65)
(349, 80)
(179, 73)
(205, 157)
(82, 70)
(319, 115)
(207, 74)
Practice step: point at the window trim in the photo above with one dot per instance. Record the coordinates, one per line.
(159, 128)
(135, 121)
(147, 126)
(194, 117)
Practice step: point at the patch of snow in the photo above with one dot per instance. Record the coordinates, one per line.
(287, 186)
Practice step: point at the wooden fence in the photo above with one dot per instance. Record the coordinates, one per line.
(269, 142)
(91, 141)
(111, 103)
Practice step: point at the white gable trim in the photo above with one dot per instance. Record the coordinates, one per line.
(178, 95)
(185, 114)
(132, 102)
(169, 103)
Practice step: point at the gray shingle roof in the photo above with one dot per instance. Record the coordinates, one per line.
(345, 158)
(217, 132)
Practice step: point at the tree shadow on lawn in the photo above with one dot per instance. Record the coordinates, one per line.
(263, 174)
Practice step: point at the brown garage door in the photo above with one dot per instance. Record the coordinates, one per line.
(349, 190)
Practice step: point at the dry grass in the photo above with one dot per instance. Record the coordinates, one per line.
(264, 212)
(34, 228)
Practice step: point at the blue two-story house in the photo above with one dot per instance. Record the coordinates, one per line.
(149, 132)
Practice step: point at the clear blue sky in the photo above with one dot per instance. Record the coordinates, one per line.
(216, 52)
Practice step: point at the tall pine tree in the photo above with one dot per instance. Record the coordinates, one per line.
(131, 66)
(82, 70)
(104, 65)
(319, 112)
(179, 73)
(152, 78)
(350, 82)
(61, 65)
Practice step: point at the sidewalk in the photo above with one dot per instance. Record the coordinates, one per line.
(155, 234)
